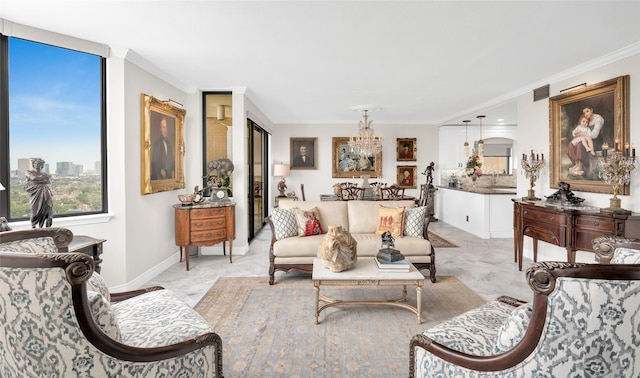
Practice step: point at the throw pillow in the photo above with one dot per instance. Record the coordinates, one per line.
(390, 219)
(414, 219)
(104, 315)
(626, 256)
(308, 221)
(284, 223)
(513, 329)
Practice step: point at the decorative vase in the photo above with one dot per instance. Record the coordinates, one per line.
(474, 179)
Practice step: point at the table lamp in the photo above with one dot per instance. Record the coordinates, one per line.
(281, 170)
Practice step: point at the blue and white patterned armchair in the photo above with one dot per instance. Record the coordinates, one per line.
(584, 321)
(58, 319)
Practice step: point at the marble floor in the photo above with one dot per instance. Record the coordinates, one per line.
(485, 266)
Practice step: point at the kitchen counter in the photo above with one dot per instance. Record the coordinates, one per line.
(483, 190)
(485, 212)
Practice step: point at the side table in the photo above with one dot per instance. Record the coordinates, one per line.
(207, 223)
(90, 246)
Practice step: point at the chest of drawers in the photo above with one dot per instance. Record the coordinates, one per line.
(205, 225)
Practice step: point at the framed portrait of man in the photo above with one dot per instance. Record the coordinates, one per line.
(406, 149)
(406, 176)
(304, 153)
(586, 125)
(162, 146)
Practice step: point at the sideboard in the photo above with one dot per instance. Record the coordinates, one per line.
(205, 224)
(572, 228)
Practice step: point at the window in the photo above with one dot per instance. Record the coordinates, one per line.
(55, 99)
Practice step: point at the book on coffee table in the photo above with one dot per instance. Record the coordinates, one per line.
(399, 266)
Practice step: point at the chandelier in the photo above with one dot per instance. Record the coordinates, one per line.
(366, 144)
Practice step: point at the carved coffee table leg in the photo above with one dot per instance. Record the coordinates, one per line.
(316, 289)
(419, 302)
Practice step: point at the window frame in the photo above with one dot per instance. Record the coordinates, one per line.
(5, 168)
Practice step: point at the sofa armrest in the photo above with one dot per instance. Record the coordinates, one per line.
(61, 236)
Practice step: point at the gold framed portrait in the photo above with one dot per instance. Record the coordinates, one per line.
(162, 147)
(303, 153)
(406, 149)
(406, 176)
(348, 164)
(583, 123)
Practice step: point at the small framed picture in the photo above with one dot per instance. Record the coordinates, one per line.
(304, 153)
(406, 149)
(406, 176)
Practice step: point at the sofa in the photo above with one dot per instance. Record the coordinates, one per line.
(291, 252)
(59, 319)
(583, 322)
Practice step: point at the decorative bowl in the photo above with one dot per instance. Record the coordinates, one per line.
(186, 199)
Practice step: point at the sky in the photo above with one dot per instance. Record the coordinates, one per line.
(54, 104)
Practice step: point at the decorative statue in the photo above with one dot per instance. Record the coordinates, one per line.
(40, 196)
(338, 249)
(429, 172)
(223, 168)
(387, 252)
(387, 239)
(564, 195)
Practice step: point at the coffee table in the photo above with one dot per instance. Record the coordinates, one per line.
(365, 273)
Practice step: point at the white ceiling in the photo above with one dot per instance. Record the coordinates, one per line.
(422, 62)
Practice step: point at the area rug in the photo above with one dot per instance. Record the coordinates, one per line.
(438, 241)
(270, 331)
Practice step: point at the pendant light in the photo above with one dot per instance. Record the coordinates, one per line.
(466, 138)
(480, 142)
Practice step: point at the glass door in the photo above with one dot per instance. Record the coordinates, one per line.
(257, 168)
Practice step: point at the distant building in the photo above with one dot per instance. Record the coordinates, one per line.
(78, 169)
(65, 168)
(97, 168)
(24, 165)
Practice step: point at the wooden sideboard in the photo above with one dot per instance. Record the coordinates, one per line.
(205, 224)
(570, 228)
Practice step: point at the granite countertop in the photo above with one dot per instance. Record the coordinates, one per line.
(484, 190)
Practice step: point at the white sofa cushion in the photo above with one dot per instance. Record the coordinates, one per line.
(363, 215)
(331, 212)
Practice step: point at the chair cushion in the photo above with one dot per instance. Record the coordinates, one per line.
(96, 283)
(284, 223)
(103, 315)
(626, 256)
(390, 219)
(308, 221)
(473, 332)
(157, 318)
(513, 329)
(414, 219)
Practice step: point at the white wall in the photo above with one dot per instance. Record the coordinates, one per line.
(533, 131)
(319, 181)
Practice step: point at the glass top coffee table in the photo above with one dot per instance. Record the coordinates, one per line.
(365, 273)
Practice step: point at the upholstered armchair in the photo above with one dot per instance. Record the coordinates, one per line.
(58, 319)
(583, 322)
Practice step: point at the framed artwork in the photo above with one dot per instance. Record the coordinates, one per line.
(406, 149)
(583, 122)
(162, 137)
(304, 153)
(347, 164)
(406, 176)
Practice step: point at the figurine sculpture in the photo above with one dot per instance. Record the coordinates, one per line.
(564, 196)
(223, 168)
(40, 196)
(387, 251)
(338, 249)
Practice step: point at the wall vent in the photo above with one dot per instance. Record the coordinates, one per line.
(541, 93)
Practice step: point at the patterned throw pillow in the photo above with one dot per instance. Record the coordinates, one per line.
(414, 221)
(284, 223)
(626, 256)
(104, 315)
(390, 219)
(513, 329)
(308, 221)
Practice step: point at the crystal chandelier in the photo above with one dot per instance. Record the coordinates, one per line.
(366, 143)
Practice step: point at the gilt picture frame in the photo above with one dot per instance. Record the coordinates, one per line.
(306, 146)
(406, 149)
(348, 164)
(406, 176)
(605, 108)
(162, 145)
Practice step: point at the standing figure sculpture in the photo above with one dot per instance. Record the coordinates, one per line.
(40, 196)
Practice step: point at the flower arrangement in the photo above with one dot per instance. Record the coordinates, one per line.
(474, 166)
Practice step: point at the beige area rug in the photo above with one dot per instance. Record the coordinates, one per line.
(270, 331)
(438, 241)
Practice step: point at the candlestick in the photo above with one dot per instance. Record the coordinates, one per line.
(615, 171)
(532, 170)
